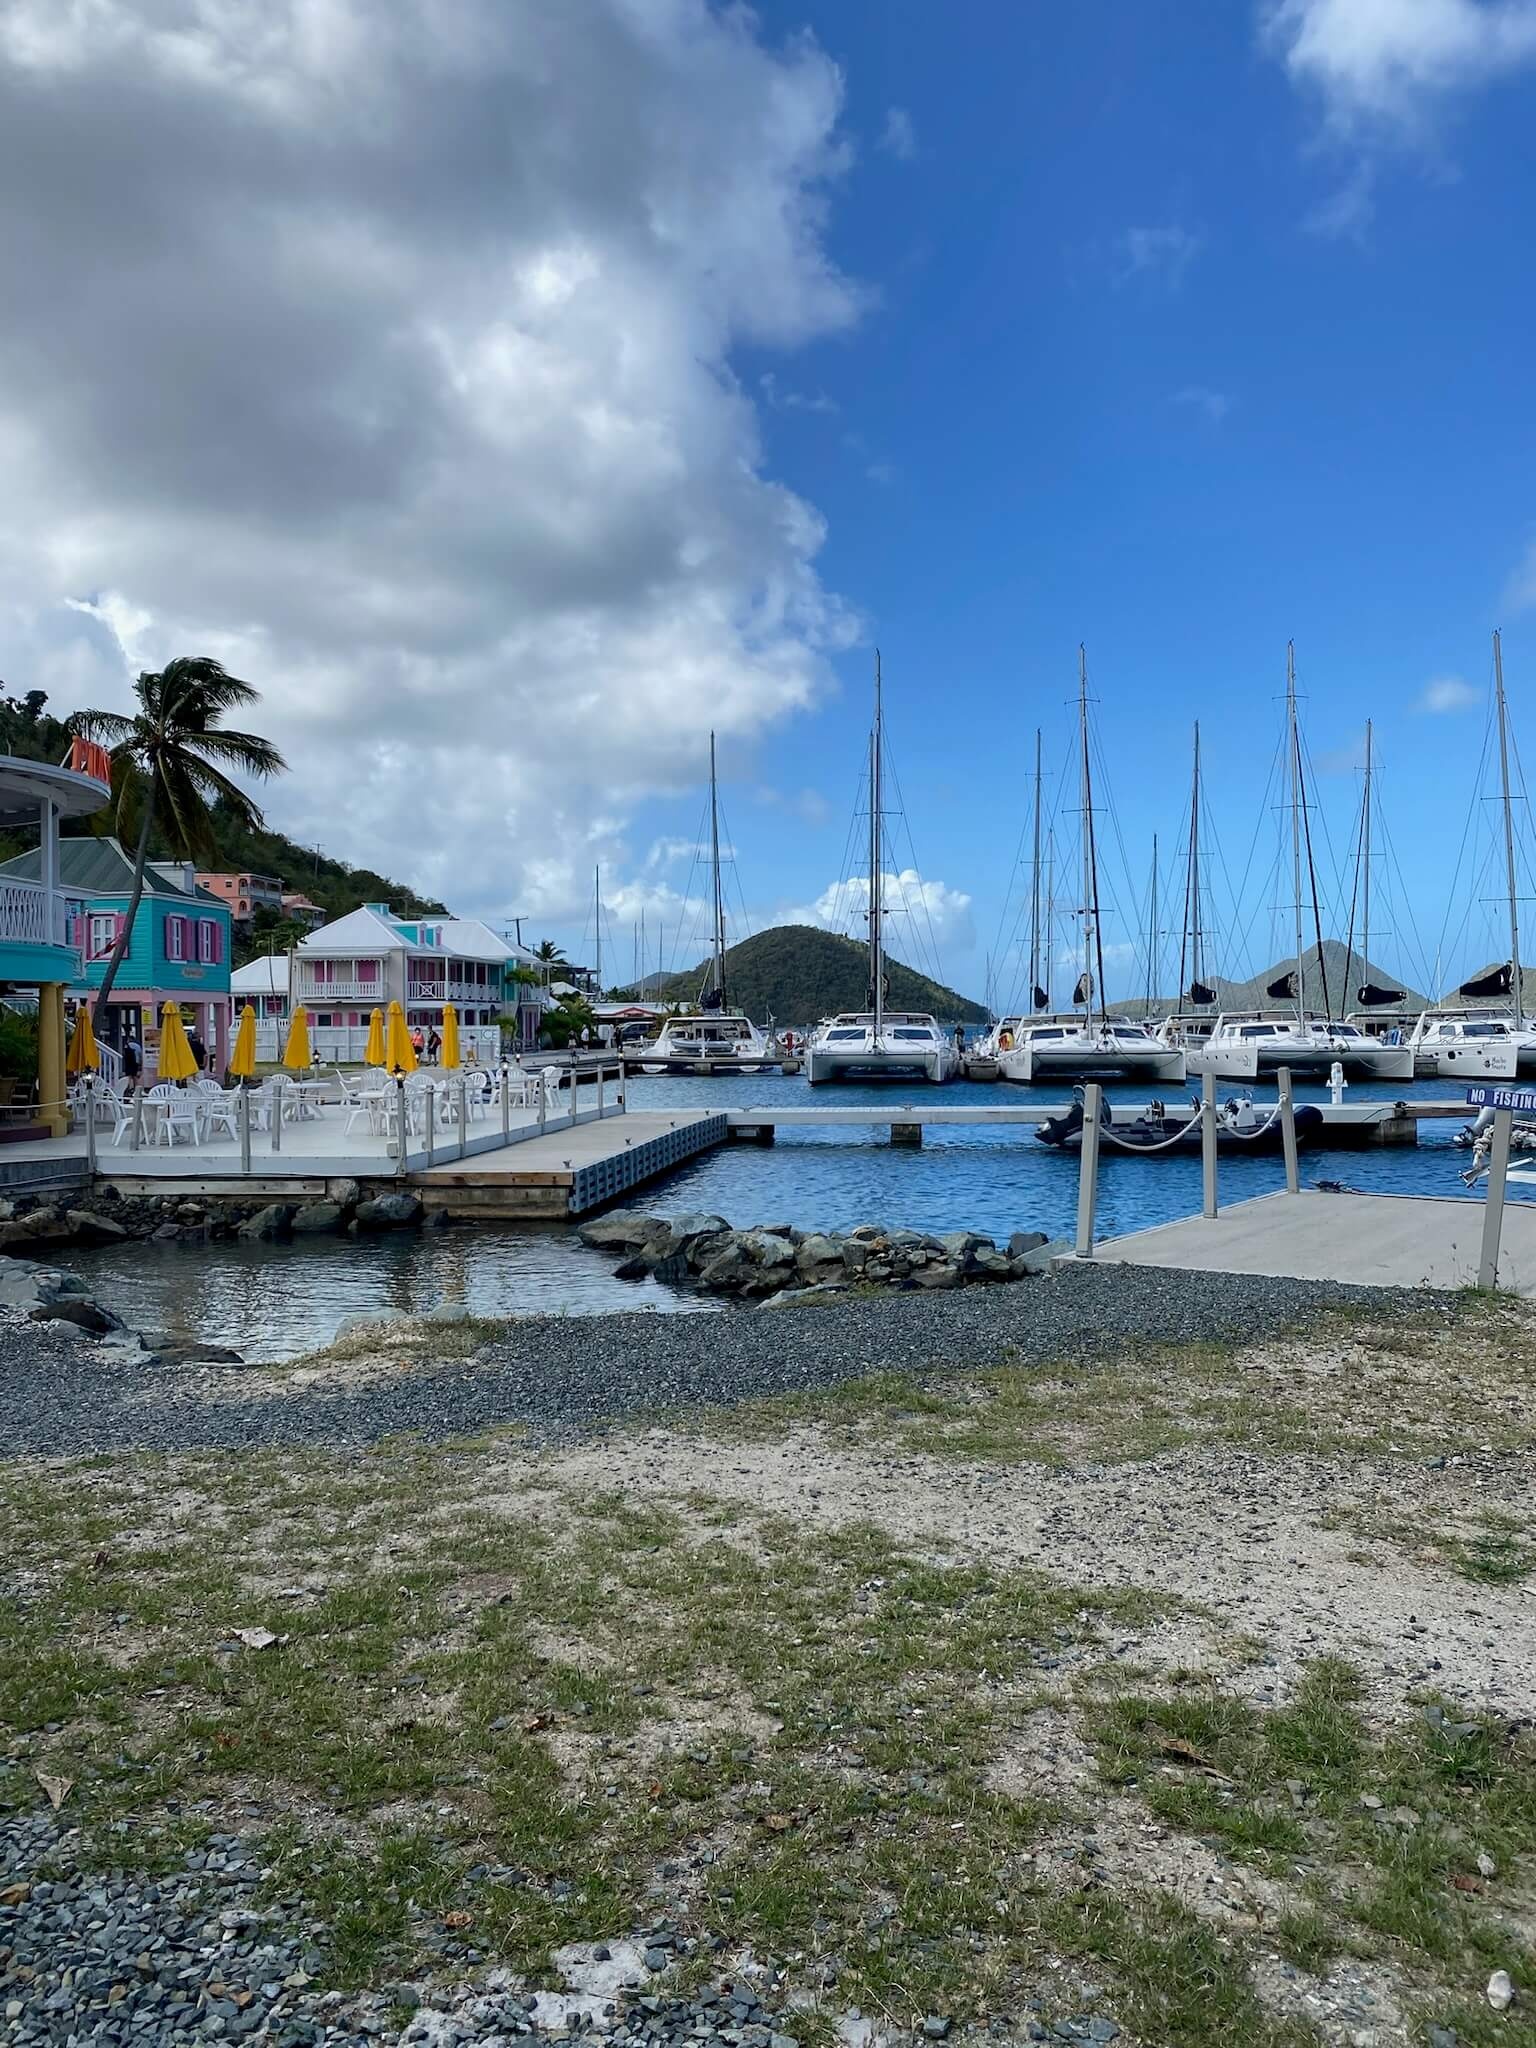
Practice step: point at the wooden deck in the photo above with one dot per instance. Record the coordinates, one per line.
(1361, 1240)
(566, 1173)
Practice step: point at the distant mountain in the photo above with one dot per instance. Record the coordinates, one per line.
(797, 973)
(1344, 973)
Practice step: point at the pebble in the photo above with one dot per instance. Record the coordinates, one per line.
(564, 1377)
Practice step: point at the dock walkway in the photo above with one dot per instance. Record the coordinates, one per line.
(1360, 1240)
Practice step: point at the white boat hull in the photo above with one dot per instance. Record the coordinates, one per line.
(824, 1064)
(1239, 1061)
(1069, 1060)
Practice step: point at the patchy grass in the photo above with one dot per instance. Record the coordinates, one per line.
(1348, 1386)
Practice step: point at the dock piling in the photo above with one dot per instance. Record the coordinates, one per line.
(1288, 1132)
(1493, 1214)
(1088, 1169)
(1208, 1143)
(907, 1134)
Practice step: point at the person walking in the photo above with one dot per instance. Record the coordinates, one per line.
(434, 1044)
(196, 1047)
(417, 1040)
(133, 1059)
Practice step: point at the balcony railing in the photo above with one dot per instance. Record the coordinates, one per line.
(31, 915)
(452, 991)
(322, 992)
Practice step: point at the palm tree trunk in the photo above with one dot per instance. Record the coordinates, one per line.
(135, 898)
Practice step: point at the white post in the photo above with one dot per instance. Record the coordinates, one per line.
(1088, 1169)
(506, 1126)
(623, 1088)
(602, 1082)
(1208, 1143)
(1288, 1132)
(400, 1137)
(431, 1121)
(137, 1137)
(245, 1128)
(463, 1105)
(90, 1123)
(543, 1073)
(1493, 1213)
(277, 1113)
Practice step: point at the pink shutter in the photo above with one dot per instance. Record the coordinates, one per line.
(218, 943)
(118, 922)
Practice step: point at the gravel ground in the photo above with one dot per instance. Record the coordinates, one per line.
(563, 1377)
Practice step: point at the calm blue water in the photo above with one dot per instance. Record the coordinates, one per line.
(273, 1301)
(997, 1180)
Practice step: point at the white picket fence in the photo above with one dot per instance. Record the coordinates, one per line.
(344, 1045)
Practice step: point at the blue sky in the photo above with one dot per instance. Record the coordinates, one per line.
(1171, 351)
(565, 381)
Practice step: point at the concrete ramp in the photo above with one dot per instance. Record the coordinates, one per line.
(1359, 1240)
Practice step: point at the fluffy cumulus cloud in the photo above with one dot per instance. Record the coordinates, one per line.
(1444, 694)
(382, 348)
(921, 915)
(1378, 63)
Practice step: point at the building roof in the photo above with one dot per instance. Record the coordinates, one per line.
(25, 784)
(471, 940)
(265, 977)
(371, 929)
(99, 867)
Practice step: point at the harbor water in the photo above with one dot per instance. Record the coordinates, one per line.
(273, 1301)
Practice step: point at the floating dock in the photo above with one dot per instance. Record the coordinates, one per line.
(1346, 1123)
(1358, 1240)
(566, 1173)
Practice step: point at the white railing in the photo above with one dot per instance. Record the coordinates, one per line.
(345, 1044)
(313, 993)
(31, 915)
(453, 992)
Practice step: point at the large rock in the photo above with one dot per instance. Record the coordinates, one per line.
(1023, 1241)
(388, 1212)
(963, 1247)
(682, 1230)
(621, 1230)
(84, 1313)
(317, 1217)
(936, 1273)
(89, 1229)
(346, 1194)
(992, 1264)
(767, 1248)
(727, 1271)
(1041, 1258)
(272, 1222)
(41, 1227)
(819, 1254)
(855, 1257)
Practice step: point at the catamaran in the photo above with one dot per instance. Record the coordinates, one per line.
(714, 1038)
(878, 1044)
(1244, 1044)
(1484, 1031)
(1063, 1046)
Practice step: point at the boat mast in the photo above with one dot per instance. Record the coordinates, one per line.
(717, 936)
(1509, 835)
(1034, 890)
(1086, 799)
(1365, 867)
(1050, 915)
(876, 879)
(1294, 730)
(1152, 930)
(597, 921)
(1197, 949)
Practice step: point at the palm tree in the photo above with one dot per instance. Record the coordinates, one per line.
(168, 764)
(549, 953)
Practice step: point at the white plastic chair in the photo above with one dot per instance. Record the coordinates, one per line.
(221, 1112)
(177, 1109)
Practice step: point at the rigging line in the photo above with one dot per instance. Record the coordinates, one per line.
(1317, 924)
(1354, 895)
(1474, 809)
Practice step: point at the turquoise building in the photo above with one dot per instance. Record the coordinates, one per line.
(179, 950)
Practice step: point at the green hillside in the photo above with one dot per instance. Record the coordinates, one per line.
(29, 730)
(797, 973)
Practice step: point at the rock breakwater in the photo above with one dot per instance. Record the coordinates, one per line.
(773, 1262)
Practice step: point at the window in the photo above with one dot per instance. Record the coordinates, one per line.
(175, 938)
(209, 941)
(102, 928)
(322, 973)
(367, 970)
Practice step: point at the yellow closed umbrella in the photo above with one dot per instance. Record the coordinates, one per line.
(296, 1053)
(242, 1061)
(449, 1056)
(399, 1053)
(175, 1062)
(373, 1051)
(84, 1056)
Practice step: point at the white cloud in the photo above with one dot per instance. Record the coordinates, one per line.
(898, 138)
(916, 909)
(1160, 255)
(1520, 593)
(1382, 64)
(1347, 212)
(1212, 406)
(794, 401)
(415, 404)
(1448, 693)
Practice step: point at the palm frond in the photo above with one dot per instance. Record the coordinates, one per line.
(244, 750)
(105, 728)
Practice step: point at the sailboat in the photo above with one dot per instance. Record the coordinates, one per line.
(1063, 1046)
(1003, 1036)
(1485, 1034)
(715, 1038)
(1244, 1044)
(1191, 1023)
(879, 1044)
